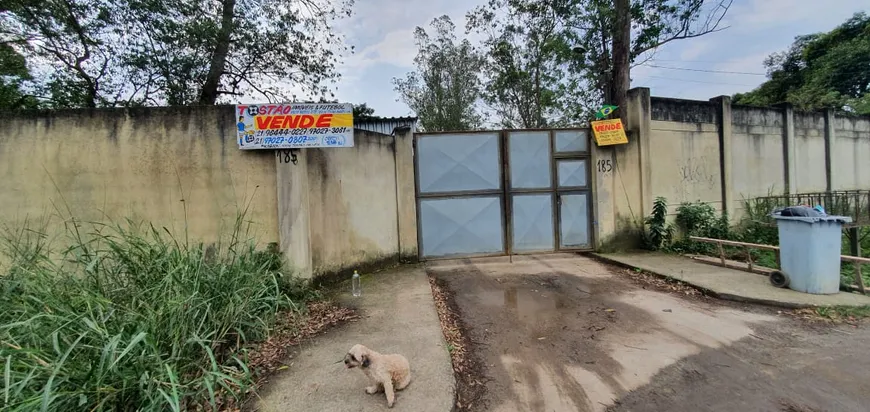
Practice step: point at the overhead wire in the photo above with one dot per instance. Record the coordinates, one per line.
(701, 81)
(704, 70)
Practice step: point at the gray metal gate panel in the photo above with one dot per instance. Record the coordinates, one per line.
(461, 226)
(532, 222)
(459, 189)
(460, 162)
(574, 221)
(495, 193)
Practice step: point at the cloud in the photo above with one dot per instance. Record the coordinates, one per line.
(752, 63)
(396, 48)
(382, 31)
(766, 14)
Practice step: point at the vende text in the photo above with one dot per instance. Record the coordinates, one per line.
(300, 121)
(608, 127)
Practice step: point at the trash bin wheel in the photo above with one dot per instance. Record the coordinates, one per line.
(778, 279)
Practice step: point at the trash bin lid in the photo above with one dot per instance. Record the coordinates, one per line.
(814, 219)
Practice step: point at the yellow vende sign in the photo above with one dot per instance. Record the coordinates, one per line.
(609, 132)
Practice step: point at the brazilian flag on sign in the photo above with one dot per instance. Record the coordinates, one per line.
(605, 111)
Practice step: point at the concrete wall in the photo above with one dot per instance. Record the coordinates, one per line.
(686, 134)
(180, 168)
(809, 133)
(345, 208)
(851, 153)
(757, 161)
(719, 153)
(356, 220)
(339, 209)
(177, 168)
(620, 191)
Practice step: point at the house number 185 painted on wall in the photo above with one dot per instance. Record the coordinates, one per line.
(605, 166)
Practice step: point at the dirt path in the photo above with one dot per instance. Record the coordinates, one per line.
(563, 333)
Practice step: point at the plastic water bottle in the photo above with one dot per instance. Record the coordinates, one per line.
(357, 290)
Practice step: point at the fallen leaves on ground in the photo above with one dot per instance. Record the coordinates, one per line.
(469, 382)
(789, 406)
(291, 329)
(268, 356)
(662, 283)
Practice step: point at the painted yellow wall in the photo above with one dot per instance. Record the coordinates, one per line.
(686, 151)
(178, 168)
(809, 131)
(340, 208)
(352, 193)
(757, 165)
(346, 208)
(851, 149)
(685, 163)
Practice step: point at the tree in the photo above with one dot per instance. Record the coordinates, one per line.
(176, 52)
(525, 66)
(76, 38)
(13, 75)
(656, 23)
(569, 56)
(362, 111)
(196, 51)
(445, 88)
(826, 70)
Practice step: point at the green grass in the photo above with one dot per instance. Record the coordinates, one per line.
(843, 312)
(768, 258)
(847, 269)
(129, 318)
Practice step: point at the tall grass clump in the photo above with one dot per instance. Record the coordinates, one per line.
(129, 318)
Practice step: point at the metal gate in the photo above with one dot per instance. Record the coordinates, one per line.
(502, 192)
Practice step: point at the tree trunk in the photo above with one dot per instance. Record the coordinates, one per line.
(209, 93)
(621, 49)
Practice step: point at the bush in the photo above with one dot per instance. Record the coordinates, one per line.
(699, 219)
(657, 234)
(757, 225)
(131, 319)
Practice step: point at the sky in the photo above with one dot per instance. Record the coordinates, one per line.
(382, 33)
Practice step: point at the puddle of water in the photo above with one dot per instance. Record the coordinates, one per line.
(528, 306)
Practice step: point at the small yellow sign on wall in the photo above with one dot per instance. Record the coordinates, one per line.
(609, 132)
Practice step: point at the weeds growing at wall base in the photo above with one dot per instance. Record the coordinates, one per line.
(757, 226)
(132, 319)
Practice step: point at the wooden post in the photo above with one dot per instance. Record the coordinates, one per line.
(855, 250)
(749, 257)
(778, 259)
(858, 277)
(721, 252)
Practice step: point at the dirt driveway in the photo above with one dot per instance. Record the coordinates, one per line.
(566, 333)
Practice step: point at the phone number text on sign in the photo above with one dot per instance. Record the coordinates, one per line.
(296, 125)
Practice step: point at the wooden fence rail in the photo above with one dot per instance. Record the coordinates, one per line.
(855, 260)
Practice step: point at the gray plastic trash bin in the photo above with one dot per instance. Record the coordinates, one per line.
(809, 250)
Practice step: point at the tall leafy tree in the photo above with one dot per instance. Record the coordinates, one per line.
(77, 41)
(90, 53)
(820, 71)
(565, 55)
(362, 110)
(527, 52)
(197, 51)
(13, 75)
(445, 89)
